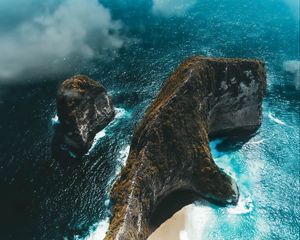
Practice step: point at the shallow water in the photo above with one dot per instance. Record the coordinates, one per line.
(42, 200)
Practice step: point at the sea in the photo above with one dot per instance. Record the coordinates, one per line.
(131, 47)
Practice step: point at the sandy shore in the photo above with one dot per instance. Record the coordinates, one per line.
(170, 230)
(190, 223)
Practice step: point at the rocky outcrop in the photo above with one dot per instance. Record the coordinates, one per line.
(83, 108)
(170, 159)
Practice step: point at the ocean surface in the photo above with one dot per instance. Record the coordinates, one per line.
(41, 199)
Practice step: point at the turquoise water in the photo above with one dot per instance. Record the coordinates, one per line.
(266, 174)
(42, 200)
(266, 166)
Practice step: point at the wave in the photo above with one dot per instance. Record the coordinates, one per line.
(123, 155)
(55, 120)
(277, 120)
(245, 205)
(97, 231)
(120, 114)
(98, 136)
(199, 218)
(258, 142)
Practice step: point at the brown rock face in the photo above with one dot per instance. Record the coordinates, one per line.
(170, 164)
(83, 109)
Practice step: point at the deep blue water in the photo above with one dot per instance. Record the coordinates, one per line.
(42, 200)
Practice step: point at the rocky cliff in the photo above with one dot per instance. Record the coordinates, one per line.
(170, 159)
(83, 108)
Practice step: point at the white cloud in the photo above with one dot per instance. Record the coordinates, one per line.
(169, 8)
(76, 29)
(294, 6)
(293, 67)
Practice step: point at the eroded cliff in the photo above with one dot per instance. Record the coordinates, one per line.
(170, 154)
(83, 108)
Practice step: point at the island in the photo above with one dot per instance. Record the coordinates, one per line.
(170, 164)
(84, 108)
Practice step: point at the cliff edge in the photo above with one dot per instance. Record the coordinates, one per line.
(84, 108)
(170, 158)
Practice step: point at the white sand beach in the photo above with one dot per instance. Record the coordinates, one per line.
(190, 223)
(170, 230)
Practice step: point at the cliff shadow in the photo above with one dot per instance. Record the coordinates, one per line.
(234, 141)
(171, 204)
(60, 151)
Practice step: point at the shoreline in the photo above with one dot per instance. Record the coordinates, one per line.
(190, 222)
(173, 227)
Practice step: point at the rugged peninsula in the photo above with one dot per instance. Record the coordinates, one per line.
(84, 108)
(170, 158)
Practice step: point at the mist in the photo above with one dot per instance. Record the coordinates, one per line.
(294, 6)
(55, 36)
(293, 67)
(168, 8)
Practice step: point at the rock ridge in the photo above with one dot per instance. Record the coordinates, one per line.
(84, 108)
(170, 154)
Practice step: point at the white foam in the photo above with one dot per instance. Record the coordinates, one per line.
(123, 154)
(210, 52)
(183, 235)
(257, 142)
(55, 120)
(98, 230)
(131, 201)
(98, 136)
(245, 205)
(274, 119)
(107, 202)
(199, 219)
(121, 159)
(246, 167)
(99, 233)
(120, 113)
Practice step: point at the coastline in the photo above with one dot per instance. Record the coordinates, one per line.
(173, 227)
(190, 222)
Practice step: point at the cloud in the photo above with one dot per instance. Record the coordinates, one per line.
(168, 8)
(75, 30)
(294, 6)
(293, 67)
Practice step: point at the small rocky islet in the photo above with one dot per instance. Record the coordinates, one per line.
(169, 154)
(84, 108)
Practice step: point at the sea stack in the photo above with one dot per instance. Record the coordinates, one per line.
(84, 108)
(170, 159)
